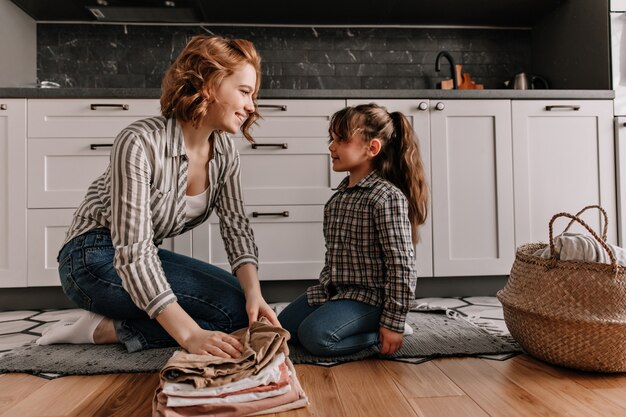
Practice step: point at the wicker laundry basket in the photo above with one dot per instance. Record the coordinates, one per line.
(569, 313)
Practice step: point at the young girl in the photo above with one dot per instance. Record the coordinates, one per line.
(370, 227)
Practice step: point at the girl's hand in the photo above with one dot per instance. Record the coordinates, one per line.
(206, 342)
(390, 341)
(256, 307)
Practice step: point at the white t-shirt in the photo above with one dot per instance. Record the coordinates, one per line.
(196, 205)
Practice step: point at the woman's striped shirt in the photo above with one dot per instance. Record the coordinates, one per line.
(140, 198)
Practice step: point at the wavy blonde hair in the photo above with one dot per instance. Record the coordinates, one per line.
(190, 83)
(399, 160)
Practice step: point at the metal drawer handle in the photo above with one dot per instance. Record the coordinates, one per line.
(3, 107)
(95, 146)
(278, 213)
(117, 106)
(280, 145)
(563, 107)
(281, 107)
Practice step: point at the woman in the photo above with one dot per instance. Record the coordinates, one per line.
(167, 174)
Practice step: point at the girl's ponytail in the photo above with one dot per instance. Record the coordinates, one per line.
(401, 164)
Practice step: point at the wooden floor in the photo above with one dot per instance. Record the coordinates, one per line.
(466, 387)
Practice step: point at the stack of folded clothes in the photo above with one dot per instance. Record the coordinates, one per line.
(261, 381)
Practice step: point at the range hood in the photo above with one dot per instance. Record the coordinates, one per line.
(168, 14)
(502, 13)
(122, 11)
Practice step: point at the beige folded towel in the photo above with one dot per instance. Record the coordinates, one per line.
(261, 341)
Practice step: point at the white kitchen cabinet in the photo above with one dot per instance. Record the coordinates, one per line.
(287, 178)
(466, 150)
(472, 187)
(12, 193)
(564, 160)
(417, 112)
(69, 143)
(498, 170)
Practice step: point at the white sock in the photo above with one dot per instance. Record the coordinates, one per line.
(79, 331)
(407, 329)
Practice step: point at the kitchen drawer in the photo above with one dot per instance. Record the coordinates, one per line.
(61, 170)
(290, 248)
(298, 173)
(294, 118)
(46, 233)
(290, 162)
(86, 118)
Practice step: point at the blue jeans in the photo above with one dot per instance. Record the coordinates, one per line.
(210, 295)
(338, 327)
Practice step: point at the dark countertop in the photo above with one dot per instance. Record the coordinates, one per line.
(151, 93)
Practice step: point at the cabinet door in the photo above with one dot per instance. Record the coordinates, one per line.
(472, 187)
(46, 233)
(563, 161)
(289, 164)
(61, 170)
(290, 241)
(620, 176)
(12, 192)
(417, 113)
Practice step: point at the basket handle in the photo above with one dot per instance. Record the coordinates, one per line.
(586, 226)
(606, 219)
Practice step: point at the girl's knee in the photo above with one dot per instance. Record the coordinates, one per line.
(316, 340)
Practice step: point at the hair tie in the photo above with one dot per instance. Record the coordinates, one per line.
(395, 123)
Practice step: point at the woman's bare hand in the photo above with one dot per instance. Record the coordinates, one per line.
(207, 342)
(257, 307)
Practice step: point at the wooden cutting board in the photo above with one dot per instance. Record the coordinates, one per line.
(464, 79)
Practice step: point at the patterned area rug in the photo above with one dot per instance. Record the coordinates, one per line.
(442, 327)
(435, 334)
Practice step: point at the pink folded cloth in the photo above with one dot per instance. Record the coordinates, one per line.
(294, 398)
(267, 388)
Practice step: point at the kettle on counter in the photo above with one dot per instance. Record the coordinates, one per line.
(523, 81)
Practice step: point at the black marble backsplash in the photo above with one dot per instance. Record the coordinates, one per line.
(134, 56)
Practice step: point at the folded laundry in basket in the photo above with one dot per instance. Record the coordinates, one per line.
(580, 247)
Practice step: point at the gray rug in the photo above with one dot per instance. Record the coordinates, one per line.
(435, 335)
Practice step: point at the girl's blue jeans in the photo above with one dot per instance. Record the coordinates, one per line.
(338, 327)
(210, 295)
